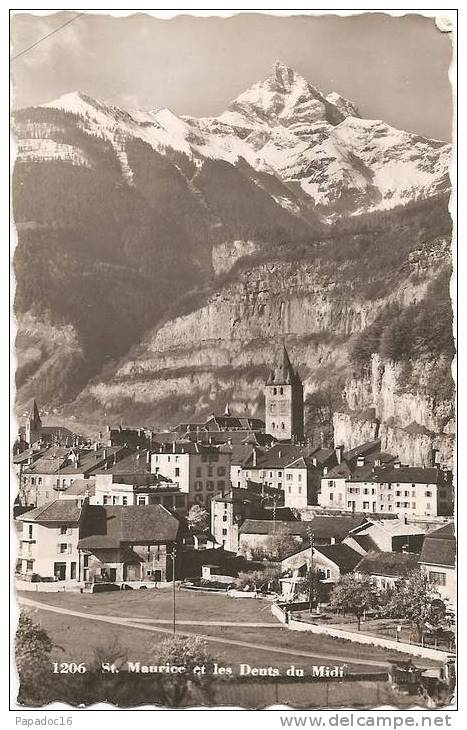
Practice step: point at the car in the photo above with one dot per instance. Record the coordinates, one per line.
(126, 587)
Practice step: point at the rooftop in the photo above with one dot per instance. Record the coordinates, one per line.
(109, 527)
(388, 564)
(57, 511)
(439, 547)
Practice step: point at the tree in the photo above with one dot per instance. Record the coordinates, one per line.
(176, 689)
(412, 598)
(258, 579)
(355, 595)
(279, 544)
(33, 647)
(198, 517)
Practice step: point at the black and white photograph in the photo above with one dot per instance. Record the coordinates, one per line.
(233, 440)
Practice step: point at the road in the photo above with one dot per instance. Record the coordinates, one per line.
(138, 624)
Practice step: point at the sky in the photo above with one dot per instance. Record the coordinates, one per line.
(393, 68)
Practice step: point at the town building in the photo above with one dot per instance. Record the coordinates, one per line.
(49, 540)
(230, 510)
(284, 401)
(367, 480)
(199, 470)
(130, 543)
(58, 467)
(438, 561)
(34, 432)
(329, 562)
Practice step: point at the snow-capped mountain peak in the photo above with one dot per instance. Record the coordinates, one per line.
(285, 126)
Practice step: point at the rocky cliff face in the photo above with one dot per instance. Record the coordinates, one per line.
(410, 423)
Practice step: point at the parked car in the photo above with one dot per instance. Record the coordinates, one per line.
(126, 587)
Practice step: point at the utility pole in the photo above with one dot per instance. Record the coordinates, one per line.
(312, 568)
(173, 555)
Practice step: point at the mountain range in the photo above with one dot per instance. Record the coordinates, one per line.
(161, 257)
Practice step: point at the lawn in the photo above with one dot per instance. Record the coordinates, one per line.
(78, 637)
(154, 604)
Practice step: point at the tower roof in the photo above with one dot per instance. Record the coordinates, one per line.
(283, 373)
(34, 412)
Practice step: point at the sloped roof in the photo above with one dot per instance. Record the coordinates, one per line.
(410, 474)
(388, 563)
(81, 486)
(345, 557)
(67, 510)
(337, 526)
(439, 547)
(109, 527)
(270, 527)
(283, 373)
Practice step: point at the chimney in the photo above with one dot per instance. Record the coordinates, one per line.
(137, 456)
(339, 450)
(360, 460)
(315, 461)
(95, 446)
(436, 457)
(173, 447)
(377, 462)
(104, 454)
(279, 454)
(325, 471)
(254, 457)
(148, 457)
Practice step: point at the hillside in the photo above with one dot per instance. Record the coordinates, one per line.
(160, 259)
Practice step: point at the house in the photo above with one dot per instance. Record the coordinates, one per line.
(254, 533)
(132, 438)
(133, 543)
(411, 491)
(389, 535)
(438, 561)
(386, 568)
(79, 490)
(49, 539)
(348, 485)
(59, 466)
(333, 528)
(329, 561)
(130, 482)
(286, 467)
(198, 470)
(229, 511)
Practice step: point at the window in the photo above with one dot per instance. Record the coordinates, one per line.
(198, 486)
(209, 471)
(398, 494)
(114, 500)
(274, 391)
(437, 578)
(282, 425)
(289, 489)
(288, 477)
(124, 501)
(273, 425)
(299, 477)
(105, 500)
(198, 471)
(279, 485)
(406, 494)
(365, 491)
(177, 471)
(39, 480)
(427, 494)
(281, 391)
(30, 531)
(428, 505)
(414, 505)
(29, 564)
(224, 518)
(141, 500)
(63, 530)
(210, 486)
(366, 505)
(299, 489)
(224, 531)
(221, 471)
(63, 547)
(331, 497)
(32, 480)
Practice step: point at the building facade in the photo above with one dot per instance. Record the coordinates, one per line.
(284, 401)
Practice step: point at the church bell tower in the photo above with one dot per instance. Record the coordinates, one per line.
(284, 401)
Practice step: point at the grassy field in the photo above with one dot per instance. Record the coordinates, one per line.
(76, 638)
